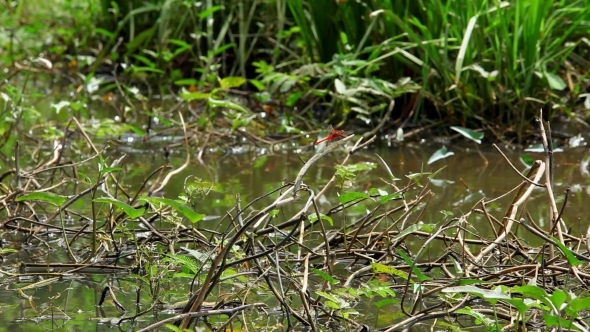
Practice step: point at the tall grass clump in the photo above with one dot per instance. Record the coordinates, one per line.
(180, 39)
(475, 60)
(479, 62)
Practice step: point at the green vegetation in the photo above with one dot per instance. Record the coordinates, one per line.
(476, 64)
(98, 99)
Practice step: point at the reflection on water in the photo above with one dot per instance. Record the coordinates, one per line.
(463, 182)
(464, 179)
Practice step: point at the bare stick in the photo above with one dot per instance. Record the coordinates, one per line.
(521, 196)
(313, 160)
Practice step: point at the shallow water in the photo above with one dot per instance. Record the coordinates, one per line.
(464, 180)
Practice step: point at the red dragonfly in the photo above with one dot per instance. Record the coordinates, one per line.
(334, 135)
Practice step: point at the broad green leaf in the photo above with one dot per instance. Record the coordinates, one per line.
(439, 154)
(568, 253)
(180, 207)
(326, 276)
(231, 82)
(377, 191)
(129, 210)
(558, 298)
(555, 82)
(259, 85)
(480, 319)
(293, 98)
(328, 296)
(385, 302)
(382, 268)
(352, 196)
(332, 304)
(44, 197)
(313, 218)
(562, 323)
(534, 292)
(468, 133)
(446, 213)
(578, 304)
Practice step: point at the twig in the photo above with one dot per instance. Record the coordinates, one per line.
(313, 160)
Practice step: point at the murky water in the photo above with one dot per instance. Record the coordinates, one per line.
(70, 304)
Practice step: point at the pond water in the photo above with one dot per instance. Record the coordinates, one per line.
(70, 303)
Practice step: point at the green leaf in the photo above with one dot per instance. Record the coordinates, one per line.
(409, 230)
(415, 269)
(390, 197)
(326, 276)
(147, 69)
(332, 304)
(209, 12)
(4, 251)
(330, 297)
(129, 210)
(44, 197)
(313, 218)
(385, 302)
(293, 98)
(382, 268)
(562, 323)
(377, 191)
(558, 298)
(439, 154)
(534, 292)
(519, 304)
(468, 133)
(186, 81)
(180, 207)
(578, 304)
(231, 82)
(480, 319)
(527, 161)
(555, 82)
(568, 253)
(259, 85)
(190, 96)
(104, 32)
(387, 168)
(352, 196)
